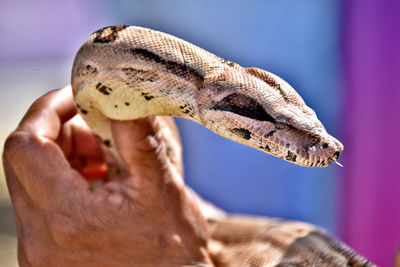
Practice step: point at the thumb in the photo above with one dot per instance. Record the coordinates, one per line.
(141, 147)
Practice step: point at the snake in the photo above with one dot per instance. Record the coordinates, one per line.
(128, 72)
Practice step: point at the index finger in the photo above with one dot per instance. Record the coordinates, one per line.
(37, 161)
(46, 115)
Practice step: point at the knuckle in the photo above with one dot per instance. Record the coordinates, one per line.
(150, 144)
(44, 99)
(148, 149)
(16, 144)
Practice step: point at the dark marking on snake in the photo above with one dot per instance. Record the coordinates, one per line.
(107, 143)
(241, 132)
(127, 103)
(220, 84)
(83, 111)
(245, 106)
(147, 96)
(175, 68)
(85, 70)
(108, 34)
(115, 106)
(321, 247)
(270, 133)
(104, 142)
(291, 156)
(105, 90)
(271, 81)
(267, 148)
(315, 139)
(91, 69)
(141, 75)
(187, 109)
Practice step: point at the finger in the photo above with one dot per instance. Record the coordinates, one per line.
(46, 115)
(173, 146)
(78, 142)
(43, 170)
(172, 126)
(82, 149)
(140, 145)
(21, 201)
(36, 159)
(28, 216)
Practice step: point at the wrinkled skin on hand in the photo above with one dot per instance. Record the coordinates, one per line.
(149, 218)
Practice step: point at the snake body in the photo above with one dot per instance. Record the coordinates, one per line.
(126, 72)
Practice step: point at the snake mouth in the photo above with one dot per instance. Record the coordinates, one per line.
(319, 161)
(336, 155)
(318, 156)
(299, 156)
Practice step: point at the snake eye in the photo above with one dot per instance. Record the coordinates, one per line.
(280, 123)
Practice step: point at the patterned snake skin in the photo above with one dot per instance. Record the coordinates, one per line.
(125, 72)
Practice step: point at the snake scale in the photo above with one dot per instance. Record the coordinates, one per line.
(126, 72)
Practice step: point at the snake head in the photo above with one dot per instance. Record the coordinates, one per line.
(258, 109)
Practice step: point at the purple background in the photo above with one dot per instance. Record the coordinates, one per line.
(371, 179)
(341, 56)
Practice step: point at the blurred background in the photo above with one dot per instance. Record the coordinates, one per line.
(343, 58)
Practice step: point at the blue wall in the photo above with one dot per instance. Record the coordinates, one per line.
(297, 40)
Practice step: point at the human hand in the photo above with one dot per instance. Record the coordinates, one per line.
(147, 219)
